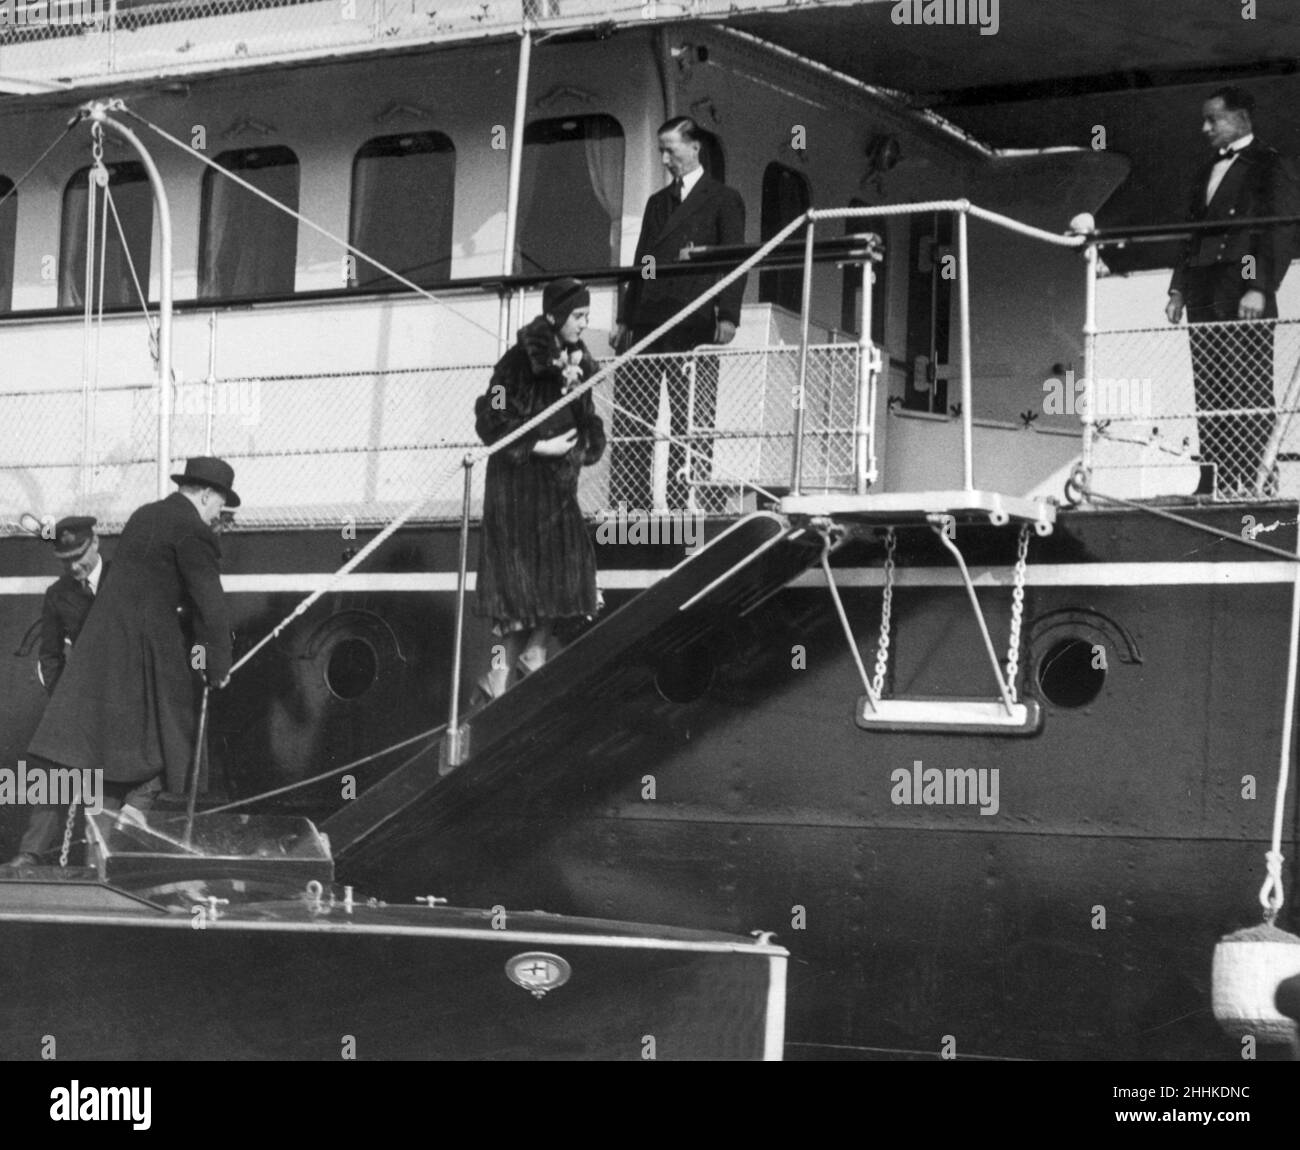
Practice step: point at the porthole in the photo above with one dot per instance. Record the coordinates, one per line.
(352, 669)
(684, 676)
(1069, 674)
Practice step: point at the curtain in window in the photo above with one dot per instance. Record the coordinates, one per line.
(133, 199)
(604, 139)
(402, 199)
(249, 247)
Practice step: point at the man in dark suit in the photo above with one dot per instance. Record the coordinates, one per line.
(126, 703)
(1228, 276)
(692, 211)
(63, 613)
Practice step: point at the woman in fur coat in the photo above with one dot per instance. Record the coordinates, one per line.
(537, 565)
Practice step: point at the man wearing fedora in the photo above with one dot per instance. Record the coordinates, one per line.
(67, 603)
(127, 703)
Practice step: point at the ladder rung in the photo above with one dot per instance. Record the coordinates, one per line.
(954, 715)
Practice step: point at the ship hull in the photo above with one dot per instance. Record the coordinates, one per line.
(1077, 919)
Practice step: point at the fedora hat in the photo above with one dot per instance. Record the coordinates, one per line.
(209, 472)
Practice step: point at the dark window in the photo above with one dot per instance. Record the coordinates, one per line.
(128, 185)
(851, 294)
(8, 229)
(929, 311)
(571, 195)
(785, 197)
(246, 246)
(401, 208)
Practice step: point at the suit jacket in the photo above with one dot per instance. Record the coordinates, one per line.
(63, 613)
(1259, 182)
(711, 214)
(126, 703)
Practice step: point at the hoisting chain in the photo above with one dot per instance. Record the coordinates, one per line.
(67, 833)
(1017, 613)
(886, 607)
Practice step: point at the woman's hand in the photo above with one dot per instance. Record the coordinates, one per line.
(556, 446)
(572, 377)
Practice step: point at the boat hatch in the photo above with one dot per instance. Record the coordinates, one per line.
(142, 850)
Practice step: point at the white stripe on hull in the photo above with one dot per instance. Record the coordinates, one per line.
(1042, 575)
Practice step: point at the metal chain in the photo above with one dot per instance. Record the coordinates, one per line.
(886, 607)
(1017, 612)
(67, 833)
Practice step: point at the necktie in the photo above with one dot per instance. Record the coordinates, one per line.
(678, 190)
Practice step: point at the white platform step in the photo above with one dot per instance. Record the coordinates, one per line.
(915, 506)
(954, 715)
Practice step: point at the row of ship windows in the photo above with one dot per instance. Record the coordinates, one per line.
(570, 215)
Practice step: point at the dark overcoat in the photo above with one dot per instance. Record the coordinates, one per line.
(536, 559)
(63, 614)
(711, 214)
(126, 702)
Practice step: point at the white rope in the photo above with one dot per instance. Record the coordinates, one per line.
(1271, 894)
(135, 277)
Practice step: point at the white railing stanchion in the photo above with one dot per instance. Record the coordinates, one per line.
(1089, 417)
(452, 750)
(796, 477)
(99, 113)
(864, 454)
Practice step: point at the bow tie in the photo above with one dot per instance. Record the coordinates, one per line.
(1225, 153)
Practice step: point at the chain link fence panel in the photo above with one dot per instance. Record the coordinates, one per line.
(687, 433)
(1219, 400)
(83, 41)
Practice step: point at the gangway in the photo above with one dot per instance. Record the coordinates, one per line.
(587, 717)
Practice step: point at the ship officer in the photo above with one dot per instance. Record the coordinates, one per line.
(1234, 276)
(67, 603)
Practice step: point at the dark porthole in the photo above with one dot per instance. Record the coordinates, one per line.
(683, 676)
(352, 668)
(1067, 676)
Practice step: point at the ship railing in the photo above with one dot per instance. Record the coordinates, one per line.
(320, 449)
(76, 42)
(1208, 408)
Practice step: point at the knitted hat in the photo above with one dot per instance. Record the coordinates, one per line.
(562, 296)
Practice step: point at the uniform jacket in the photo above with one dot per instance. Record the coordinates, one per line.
(126, 702)
(67, 603)
(711, 214)
(1260, 182)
